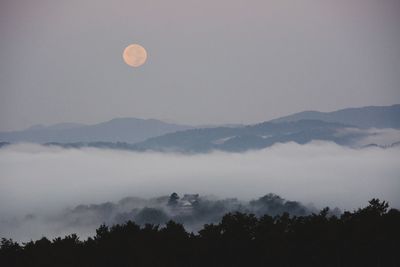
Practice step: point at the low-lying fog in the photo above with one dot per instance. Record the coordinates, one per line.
(43, 180)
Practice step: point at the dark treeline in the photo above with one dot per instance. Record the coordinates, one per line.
(366, 237)
(191, 210)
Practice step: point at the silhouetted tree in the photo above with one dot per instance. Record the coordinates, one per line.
(366, 237)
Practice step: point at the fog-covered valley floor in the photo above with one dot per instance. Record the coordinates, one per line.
(38, 184)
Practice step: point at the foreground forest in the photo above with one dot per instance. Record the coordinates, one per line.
(366, 237)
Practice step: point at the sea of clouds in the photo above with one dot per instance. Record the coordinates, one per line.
(44, 180)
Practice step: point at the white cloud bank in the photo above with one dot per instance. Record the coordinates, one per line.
(40, 180)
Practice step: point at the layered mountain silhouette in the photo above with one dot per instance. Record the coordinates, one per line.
(130, 130)
(250, 137)
(365, 117)
(344, 127)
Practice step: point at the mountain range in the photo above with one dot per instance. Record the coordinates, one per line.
(130, 130)
(364, 117)
(249, 137)
(347, 127)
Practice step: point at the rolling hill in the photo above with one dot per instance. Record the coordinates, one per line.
(364, 117)
(130, 130)
(250, 137)
(345, 127)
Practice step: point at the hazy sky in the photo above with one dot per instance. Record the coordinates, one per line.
(208, 61)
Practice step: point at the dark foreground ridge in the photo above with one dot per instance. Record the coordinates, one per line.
(365, 237)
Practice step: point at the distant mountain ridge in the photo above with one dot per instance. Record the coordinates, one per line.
(130, 130)
(301, 128)
(364, 117)
(250, 137)
(349, 127)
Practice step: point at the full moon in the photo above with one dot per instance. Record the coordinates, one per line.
(134, 55)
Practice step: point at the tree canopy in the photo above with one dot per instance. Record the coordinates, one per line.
(366, 237)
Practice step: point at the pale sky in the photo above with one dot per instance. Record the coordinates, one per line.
(209, 61)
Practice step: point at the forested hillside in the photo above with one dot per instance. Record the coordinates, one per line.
(365, 237)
